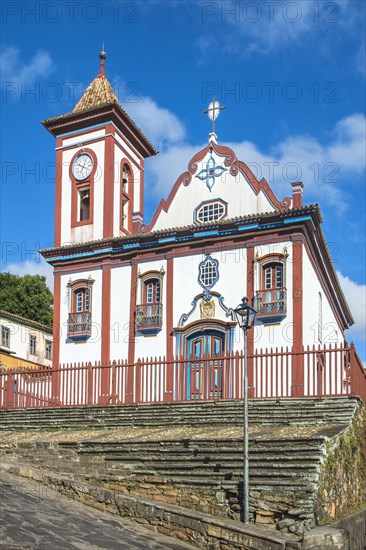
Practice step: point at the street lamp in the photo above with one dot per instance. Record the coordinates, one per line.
(245, 316)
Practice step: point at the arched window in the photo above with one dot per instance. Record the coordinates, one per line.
(126, 193)
(80, 309)
(270, 298)
(273, 275)
(152, 291)
(149, 312)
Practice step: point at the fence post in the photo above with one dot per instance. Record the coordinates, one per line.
(9, 403)
(130, 371)
(89, 382)
(138, 397)
(55, 391)
(297, 389)
(168, 375)
(114, 396)
(354, 389)
(105, 381)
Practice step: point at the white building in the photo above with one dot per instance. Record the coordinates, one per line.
(24, 343)
(126, 288)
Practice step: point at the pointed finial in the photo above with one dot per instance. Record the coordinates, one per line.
(102, 56)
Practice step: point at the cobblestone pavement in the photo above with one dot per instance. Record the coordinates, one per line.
(34, 517)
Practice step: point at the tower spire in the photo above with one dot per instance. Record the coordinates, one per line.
(102, 56)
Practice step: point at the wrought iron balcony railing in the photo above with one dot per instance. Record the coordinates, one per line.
(270, 302)
(149, 316)
(79, 324)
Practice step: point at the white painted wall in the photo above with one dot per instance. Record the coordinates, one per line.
(232, 285)
(331, 331)
(86, 232)
(147, 346)
(271, 335)
(127, 148)
(83, 138)
(119, 155)
(19, 341)
(90, 350)
(235, 190)
(120, 311)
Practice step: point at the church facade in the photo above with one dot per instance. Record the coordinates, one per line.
(127, 288)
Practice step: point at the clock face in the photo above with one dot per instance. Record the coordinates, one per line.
(82, 167)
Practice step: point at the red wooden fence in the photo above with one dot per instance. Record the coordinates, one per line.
(328, 371)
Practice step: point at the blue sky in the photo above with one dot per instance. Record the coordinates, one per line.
(291, 75)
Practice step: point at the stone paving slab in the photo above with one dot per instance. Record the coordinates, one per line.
(163, 434)
(34, 517)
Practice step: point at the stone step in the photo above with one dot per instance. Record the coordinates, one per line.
(285, 481)
(264, 412)
(174, 416)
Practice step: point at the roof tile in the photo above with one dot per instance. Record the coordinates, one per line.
(98, 93)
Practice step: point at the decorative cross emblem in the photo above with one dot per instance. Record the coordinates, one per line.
(211, 172)
(213, 112)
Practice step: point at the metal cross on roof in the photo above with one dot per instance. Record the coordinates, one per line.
(213, 111)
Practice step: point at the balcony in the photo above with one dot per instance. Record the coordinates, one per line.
(149, 318)
(79, 325)
(271, 304)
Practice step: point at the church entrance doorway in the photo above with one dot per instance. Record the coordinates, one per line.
(204, 369)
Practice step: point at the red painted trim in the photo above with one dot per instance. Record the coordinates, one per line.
(58, 197)
(141, 206)
(76, 185)
(297, 304)
(98, 139)
(131, 329)
(125, 150)
(106, 316)
(205, 323)
(129, 195)
(72, 122)
(108, 199)
(169, 307)
(56, 321)
(176, 252)
(169, 326)
(297, 192)
(262, 185)
(220, 150)
(56, 339)
(184, 179)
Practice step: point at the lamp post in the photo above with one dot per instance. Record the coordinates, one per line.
(245, 316)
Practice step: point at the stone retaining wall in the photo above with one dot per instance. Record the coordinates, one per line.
(195, 528)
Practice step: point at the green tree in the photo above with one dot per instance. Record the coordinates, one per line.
(27, 296)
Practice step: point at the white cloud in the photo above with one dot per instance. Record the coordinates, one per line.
(248, 28)
(14, 70)
(355, 294)
(160, 125)
(349, 147)
(32, 268)
(324, 168)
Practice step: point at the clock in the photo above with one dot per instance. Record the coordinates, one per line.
(82, 167)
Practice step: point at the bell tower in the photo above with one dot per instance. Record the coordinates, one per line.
(100, 154)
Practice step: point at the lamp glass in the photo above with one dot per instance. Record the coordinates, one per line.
(245, 314)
